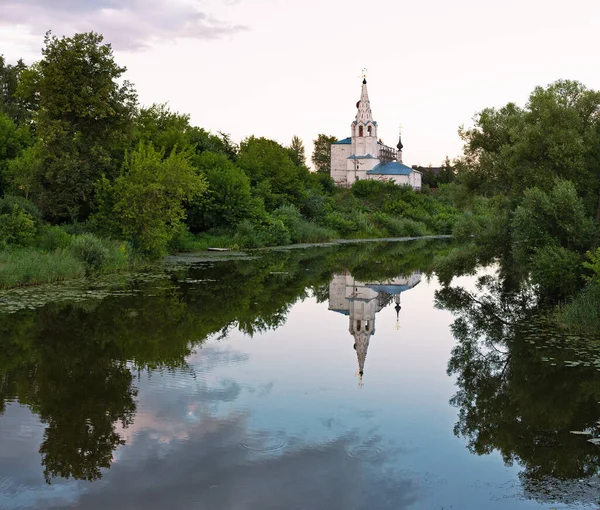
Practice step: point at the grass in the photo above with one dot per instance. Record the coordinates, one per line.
(75, 256)
(582, 315)
(29, 266)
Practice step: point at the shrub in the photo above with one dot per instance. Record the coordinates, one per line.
(593, 264)
(90, 250)
(399, 227)
(17, 228)
(583, 313)
(53, 237)
(8, 203)
(246, 235)
(271, 232)
(556, 271)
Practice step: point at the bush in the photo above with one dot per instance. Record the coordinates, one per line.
(17, 228)
(272, 232)
(582, 315)
(90, 250)
(556, 271)
(53, 237)
(8, 203)
(399, 227)
(593, 264)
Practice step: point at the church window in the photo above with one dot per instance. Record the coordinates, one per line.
(369, 130)
(360, 130)
(357, 325)
(367, 326)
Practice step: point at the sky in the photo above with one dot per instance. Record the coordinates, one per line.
(278, 68)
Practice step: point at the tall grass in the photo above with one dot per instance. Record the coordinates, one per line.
(29, 266)
(77, 256)
(582, 315)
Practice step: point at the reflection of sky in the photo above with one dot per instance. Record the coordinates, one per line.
(279, 421)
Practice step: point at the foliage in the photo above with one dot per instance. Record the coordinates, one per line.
(296, 152)
(556, 218)
(83, 123)
(90, 250)
(53, 237)
(275, 177)
(556, 270)
(593, 265)
(228, 198)
(11, 105)
(555, 135)
(582, 314)
(445, 175)
(22, 175)
(321, 156)
(29, 266)
(145, 203)
(17, 228)
(13, 140)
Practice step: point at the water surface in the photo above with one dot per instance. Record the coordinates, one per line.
(327, 378)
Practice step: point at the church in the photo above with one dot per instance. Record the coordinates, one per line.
(364, 156)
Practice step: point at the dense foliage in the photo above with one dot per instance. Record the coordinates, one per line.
(528, 186)
(78, 149)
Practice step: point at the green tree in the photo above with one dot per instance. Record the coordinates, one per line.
(557, 218)
(11, 103)
(321, 157)
(146, 203)
(166, 130)
(13, 140)
(84, 121)
(272, 173)
(296, 152)
(557, 134)
(228, 198)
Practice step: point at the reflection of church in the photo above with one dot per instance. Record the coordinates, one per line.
(361, 301)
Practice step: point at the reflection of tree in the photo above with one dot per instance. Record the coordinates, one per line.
(512, 401)
(72, 363)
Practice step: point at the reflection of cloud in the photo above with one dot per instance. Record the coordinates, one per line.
(128, 24)
(211, 469)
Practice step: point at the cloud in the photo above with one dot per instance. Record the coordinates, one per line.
(211, 469)
(126, 24)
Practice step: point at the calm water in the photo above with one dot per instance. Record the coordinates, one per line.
(237, 384)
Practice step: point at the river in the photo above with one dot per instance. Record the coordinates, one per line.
(343, 377)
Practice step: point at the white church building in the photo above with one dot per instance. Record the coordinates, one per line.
(363, 156)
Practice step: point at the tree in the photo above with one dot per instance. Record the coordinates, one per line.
(166, 130)
(145, 204)
(272, 173)
(296, 152)
(557, 134)
(228, 198)
(11, 104)
(84, 121)
(321, 157)
(13, 140)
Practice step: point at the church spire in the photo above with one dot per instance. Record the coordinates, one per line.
(364, 114)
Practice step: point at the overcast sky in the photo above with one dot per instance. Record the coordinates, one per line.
(277, 68)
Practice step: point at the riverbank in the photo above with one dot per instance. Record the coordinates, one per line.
(87, 255)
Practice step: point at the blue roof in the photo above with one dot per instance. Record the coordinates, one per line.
(390, 289)
(345, 141)
(390, 168)
(354, 156)
(343, 312)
